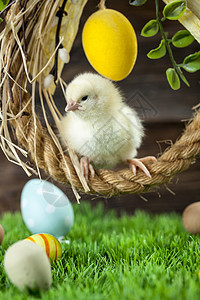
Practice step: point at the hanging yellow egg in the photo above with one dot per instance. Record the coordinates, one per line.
(49, 243)
(110, 43)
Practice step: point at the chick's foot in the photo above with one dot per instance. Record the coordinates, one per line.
(86, 167)
(135, 163)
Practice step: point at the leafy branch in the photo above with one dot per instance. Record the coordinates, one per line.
(183, 38)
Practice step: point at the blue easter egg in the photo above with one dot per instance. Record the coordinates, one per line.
(46, 209)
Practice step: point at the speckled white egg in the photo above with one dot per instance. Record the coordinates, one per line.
(28, 266)
(46, 209)
(191, 218)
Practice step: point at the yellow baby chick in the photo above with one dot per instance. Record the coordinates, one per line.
(100, 127)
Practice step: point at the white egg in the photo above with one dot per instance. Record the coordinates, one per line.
(191, 218)
(64, 55)
(28, 266)
(48, 81)
(46, 209)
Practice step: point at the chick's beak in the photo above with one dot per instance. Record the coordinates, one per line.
(71, 105)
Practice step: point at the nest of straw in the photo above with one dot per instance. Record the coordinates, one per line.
(29, 45)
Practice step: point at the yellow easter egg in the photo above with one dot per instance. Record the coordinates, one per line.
(110, 43)
(49, 243)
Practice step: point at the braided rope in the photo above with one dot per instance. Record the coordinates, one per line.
(174, 160)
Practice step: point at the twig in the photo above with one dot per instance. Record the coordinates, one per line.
(23, 7)
(59, 14)
(1, 90)
(102, 4)
(25, 52)
(20, 90)
(9, 72)
(22, 29)
(10, 88)
(23, 25)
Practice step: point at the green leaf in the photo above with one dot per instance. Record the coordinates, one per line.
(182, 38)
(3, 4)
(137, 2)
(173, 79)
(192, 62)
(157, 52)
(1, 20)
(150, 29)
(182, 76)
(174, 10)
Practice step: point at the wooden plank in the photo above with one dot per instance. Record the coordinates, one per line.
(194, 6)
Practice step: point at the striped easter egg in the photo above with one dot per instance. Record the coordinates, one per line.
(49, 243)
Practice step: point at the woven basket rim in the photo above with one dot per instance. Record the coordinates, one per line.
(175, 159)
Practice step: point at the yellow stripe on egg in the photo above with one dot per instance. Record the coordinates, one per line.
(49, 243)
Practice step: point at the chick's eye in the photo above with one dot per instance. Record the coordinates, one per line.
(84, 98)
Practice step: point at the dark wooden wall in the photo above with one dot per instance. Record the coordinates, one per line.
(161, 108)
(148, 76)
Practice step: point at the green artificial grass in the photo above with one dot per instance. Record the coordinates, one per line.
(133, 257)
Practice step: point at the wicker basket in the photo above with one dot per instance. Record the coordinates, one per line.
(40, 143)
